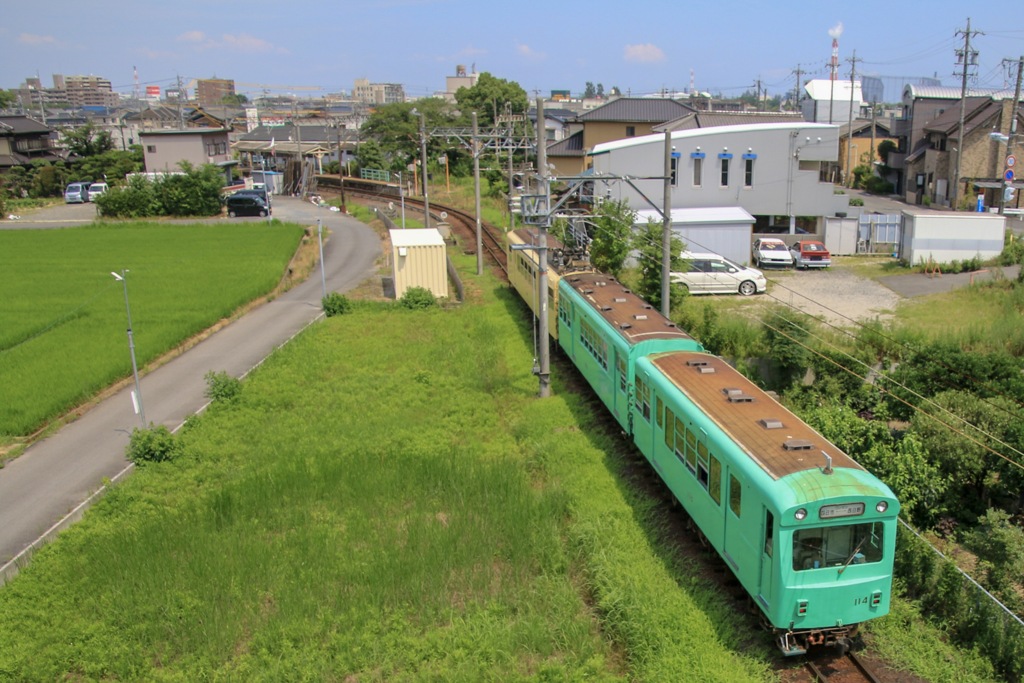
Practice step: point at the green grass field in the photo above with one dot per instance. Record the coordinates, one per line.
(62, 316)
(387, 500)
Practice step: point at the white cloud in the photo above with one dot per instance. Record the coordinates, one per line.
(529, 53)
(643, 54)
(192, 37)
(33, 39)
(245, 43)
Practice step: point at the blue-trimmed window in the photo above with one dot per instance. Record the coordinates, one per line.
(698, 168)
(724, 161)
(748, 170)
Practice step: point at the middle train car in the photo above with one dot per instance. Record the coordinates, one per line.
(808, 532)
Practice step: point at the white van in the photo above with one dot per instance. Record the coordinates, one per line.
(705, 273)
(76, 193)
(96, 189)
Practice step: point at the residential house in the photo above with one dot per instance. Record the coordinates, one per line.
(621, 118)
(931, 168)
(164, 150)
(863, 145)
(24, 140)
(922, 104)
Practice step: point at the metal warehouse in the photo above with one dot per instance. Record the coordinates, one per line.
(419, 260)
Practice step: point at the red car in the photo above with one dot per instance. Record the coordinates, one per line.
(810, 254)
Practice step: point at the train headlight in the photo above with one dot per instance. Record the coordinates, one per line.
(800, 514)
(882, 506)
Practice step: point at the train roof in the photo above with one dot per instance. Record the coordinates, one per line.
(530, 236)
(773, 437)
(633, 318)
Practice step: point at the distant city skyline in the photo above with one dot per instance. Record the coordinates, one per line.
(323, 46)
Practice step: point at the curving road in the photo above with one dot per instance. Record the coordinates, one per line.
(50, 484)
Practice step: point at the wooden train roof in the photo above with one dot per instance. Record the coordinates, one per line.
(531, 236)
(633, 318)
(776, 439)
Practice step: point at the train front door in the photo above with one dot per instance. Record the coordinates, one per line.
(764, 588)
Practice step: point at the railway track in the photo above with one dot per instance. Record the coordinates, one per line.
(462, 223)
(847, 668)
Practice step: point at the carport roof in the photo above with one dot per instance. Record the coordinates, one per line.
(703, 215)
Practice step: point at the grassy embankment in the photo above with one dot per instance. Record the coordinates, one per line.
(63, 318)
(387, 499)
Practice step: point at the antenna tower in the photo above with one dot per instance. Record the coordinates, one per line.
(136, 91)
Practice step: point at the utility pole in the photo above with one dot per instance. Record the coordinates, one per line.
(967, 58)
(799, 86)
(476, 196)
(423, 161)
(1013, 134)
(666, 230)
(849, 126)
(544, 340)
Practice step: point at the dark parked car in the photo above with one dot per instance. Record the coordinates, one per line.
(245, 205)
(255, 192)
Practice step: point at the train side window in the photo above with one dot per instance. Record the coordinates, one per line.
(691, 450)
(735, 495)
(670, 420)
(643, 399)
(702, 462)
(769, 532)
(659, 411)
(715, 485)
(620, 362)
(680, 436)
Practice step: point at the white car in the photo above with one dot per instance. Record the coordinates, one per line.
(704, 273)
(96, 189)
(771, 251)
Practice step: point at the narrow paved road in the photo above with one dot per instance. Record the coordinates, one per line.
(49, 485)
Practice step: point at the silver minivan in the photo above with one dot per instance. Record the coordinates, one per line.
(76, 193)
(705, 273)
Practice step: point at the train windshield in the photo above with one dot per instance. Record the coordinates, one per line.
(837, 546)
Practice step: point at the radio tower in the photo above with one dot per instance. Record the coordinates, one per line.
(693, 86)
(136, 91)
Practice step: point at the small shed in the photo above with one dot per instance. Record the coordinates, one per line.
(419, 259)
(723, 230)
(945, 236)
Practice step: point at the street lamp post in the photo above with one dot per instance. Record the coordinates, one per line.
(137, 394)
(320, 238)
(401, 195)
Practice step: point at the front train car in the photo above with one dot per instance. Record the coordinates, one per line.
(808, 532)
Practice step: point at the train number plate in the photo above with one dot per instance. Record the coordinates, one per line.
(842, 510)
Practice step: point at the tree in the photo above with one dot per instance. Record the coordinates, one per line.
(615, 92)
(7, 99)
(489, 97)
(600, 90)
(369, 155)
(86, 141)
(589, 91)
(610, 236)
(234, 100)
(648, 243)
(396, 130)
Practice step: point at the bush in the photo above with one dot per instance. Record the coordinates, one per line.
(856, 201)
(196, 192)
(220, 386)
(876, 185)
(417, 298)
(155, 444)
(336, 304)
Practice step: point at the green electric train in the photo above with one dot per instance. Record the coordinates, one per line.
(807, 531)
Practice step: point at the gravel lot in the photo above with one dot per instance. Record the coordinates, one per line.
(834, 294)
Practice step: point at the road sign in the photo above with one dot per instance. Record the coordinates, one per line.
(1008, 174)
(1010, 161)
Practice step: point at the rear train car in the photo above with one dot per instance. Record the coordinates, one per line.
(604, 328)
(523, 275)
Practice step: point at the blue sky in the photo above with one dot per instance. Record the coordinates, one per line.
(640, 47)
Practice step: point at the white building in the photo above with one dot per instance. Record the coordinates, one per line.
(771, 170)
(828, 101)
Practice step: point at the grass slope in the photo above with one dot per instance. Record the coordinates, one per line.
(386, 500)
